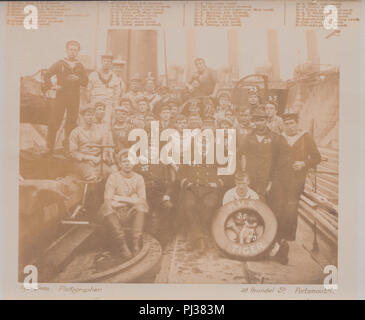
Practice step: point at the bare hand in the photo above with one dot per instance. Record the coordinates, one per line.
(95, 160)
(298, 165)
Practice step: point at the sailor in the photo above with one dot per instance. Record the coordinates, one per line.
(121, 127)
(174, 108)
(226, 124)
(209, 107)
(194, 107)
(71, 75)
(224, 103)
(200, 196)
(134, 93)
(99, 112)
(125, 203)
(203, 80)
(244, 124)
(147, 122)
(254, 99)
(150, 93)
(305, 156)
(104, 85)
(84, 140)
(266, 158)
(274, 122)
(143, 108)
(263, 153)
(118, 65)
(160, 193)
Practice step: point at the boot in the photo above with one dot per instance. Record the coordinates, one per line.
(283, 254)
(137, 243)
(115, 229)
(124, 250)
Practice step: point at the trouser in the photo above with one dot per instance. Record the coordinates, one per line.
(284, 202)
(116, 224)
(70, 102)
(199, 205)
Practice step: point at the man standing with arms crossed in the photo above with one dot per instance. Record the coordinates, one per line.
(71, 75)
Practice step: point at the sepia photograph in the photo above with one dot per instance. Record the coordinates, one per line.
(178, 143)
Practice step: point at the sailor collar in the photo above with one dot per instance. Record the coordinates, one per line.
(293, 139)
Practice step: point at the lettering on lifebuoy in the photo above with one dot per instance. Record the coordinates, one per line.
(238, 249)
(251, 249)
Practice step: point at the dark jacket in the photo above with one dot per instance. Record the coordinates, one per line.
(265, 160)
(62, 70)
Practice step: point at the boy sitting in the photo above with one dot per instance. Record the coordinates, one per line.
(241, 190)
(125, 201)
(242, 227)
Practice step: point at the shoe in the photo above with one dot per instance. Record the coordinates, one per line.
(283, 253)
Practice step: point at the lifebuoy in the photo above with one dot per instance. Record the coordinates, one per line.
(238, 249)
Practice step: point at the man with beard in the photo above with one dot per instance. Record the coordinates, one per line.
(104, 86)
(266, 158)
(305, 156)
(264, 152)
(71, 75)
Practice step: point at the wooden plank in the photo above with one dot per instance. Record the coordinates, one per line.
(308, 201)
(320, 220)
(309, 218)
(323, 202)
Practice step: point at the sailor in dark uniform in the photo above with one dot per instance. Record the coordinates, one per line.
(162, 112)
(159, 188)
(266, 158)
(121, 127)
(305, 156)
(70, 74)
(264, 154)
(200, 196)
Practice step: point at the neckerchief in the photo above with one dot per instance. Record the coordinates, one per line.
(293, 139)
(105, 81)
(66, 64)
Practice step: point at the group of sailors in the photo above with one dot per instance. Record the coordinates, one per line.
(273, 154)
